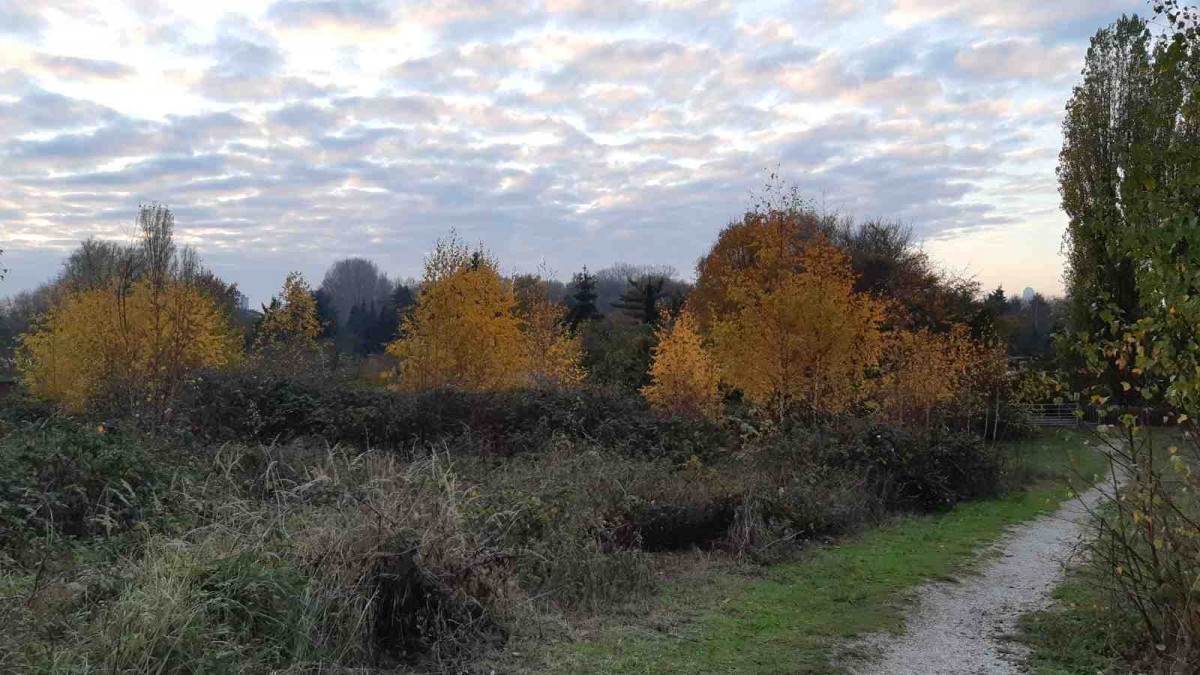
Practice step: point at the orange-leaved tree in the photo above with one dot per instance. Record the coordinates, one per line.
(759, 248)
(683, 376)
(786, 324)
(464, 331)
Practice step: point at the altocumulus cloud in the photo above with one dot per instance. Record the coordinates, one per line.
(582, 131)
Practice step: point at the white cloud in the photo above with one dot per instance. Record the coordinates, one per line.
(1019, 58)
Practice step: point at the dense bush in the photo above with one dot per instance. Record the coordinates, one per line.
(922, 472)
(255, 406)
(58, 477)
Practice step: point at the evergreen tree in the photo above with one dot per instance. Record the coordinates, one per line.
(359, 326)
(403, 298)
(326, 314)
(641, 297)
(986, 324)
(583, 300)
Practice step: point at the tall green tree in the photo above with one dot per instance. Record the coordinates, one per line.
(583, 299)
(1124, 125)
(1120, 122)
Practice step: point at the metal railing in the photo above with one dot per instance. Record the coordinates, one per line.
(1053, 414)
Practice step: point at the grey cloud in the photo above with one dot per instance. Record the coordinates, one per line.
(1011, 14)
(115, 140)
(362, 13)
(71, 67)
(304, 117)
(1018, 59)
(20, 19)
(40, 110)
(249, 67)
(391, 109)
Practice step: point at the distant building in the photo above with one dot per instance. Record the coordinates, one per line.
(1027, 295)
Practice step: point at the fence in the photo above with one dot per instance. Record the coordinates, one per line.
(1054, 414)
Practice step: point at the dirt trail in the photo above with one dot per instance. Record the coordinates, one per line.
(961, 627)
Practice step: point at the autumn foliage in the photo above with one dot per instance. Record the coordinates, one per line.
(290, 322)
(137, 343)
(684, 379)
(926, 372)
(553, 355)
(468, 332)
(786, 324)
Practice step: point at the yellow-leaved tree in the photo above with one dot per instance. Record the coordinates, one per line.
(786, 324)
(130, 338)
(290, 322)
(922, 371)
(132, 346)
(806, 338)
(683, 377)
(553, 355)
(464, 331)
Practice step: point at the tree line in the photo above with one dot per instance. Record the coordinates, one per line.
(792, 310)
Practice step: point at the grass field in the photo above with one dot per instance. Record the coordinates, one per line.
(797, 616)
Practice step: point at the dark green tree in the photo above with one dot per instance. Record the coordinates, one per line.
(641, 299)
(326, 314)
(583, 299)
(1120, 122)
(1126, 135)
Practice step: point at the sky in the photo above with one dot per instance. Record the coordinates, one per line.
(286, 135)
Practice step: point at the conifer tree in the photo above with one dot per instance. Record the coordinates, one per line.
(583, 301)
(641, 299)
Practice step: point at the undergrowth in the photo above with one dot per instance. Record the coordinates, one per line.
(125, 553)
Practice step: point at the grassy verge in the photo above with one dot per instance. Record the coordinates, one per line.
(1084, 632)
(793, 617)
(1088, 629)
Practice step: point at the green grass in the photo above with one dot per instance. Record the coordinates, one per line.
(1086, 630)
(1083, 633)
(795, 616)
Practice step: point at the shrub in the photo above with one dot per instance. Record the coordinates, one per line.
(925, 473)
(266, 407)
(1147, 549)
(60, 478)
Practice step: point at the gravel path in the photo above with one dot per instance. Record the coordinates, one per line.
(961, 627)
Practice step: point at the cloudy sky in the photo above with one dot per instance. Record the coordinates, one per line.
(289, 134)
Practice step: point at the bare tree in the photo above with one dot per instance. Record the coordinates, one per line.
(354, 282)
(96, 262)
